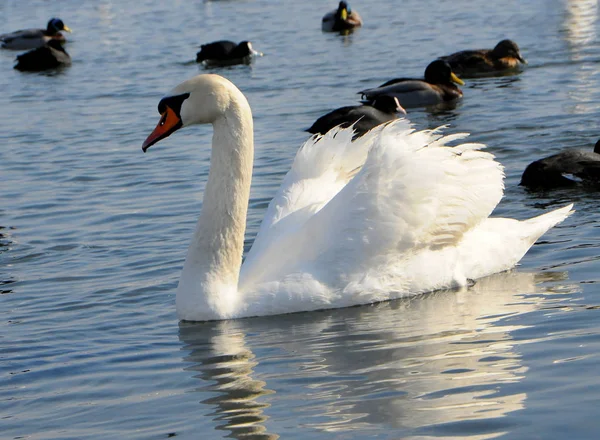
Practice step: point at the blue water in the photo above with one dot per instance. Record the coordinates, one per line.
(94, 233)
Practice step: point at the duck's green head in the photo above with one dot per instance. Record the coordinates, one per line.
(440, 72)
(343, 10)
(56, 24)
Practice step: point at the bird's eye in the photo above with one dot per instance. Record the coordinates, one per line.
(173, 103)
(163, 119)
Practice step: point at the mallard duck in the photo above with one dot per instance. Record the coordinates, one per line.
(394, 213)
(568, 168)
(504, 57)
(50, 56)
(34, 38)
(362, 117)
(438, 86)
(341, 19)
(226, 53)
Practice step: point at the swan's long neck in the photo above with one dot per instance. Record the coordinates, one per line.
(209, 281)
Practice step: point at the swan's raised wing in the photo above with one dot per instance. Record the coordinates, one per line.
(321, 168)
(413, 192)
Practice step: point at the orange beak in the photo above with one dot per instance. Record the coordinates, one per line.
(168, 124)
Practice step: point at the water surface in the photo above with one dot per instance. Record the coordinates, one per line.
(93, 233)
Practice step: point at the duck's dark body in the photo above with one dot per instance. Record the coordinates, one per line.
(33, 38)
(364, 117)
(342, 19)
(50, 56)
(503, 58)
(565, 169)
(225, 52)
(437, 87)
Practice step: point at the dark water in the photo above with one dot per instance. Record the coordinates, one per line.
(93, 233)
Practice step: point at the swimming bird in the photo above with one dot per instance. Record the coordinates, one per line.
(225, 53)
(565, 169)
(397, 212)
(341, 19)
(361, 117)
(34, 38)
(437, 87)
(49, 56)
(506, 56)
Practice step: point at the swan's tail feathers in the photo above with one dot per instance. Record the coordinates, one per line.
(498, 244)
(544, 222)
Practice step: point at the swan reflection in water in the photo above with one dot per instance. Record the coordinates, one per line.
(413, 365)
(221, 357)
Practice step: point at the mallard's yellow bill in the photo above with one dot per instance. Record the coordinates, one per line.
(456, 79)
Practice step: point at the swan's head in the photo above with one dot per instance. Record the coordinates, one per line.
(200, 100)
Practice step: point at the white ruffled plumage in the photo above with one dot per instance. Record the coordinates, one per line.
(394, 213)
(394, 227)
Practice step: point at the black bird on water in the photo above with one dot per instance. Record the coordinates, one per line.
(565, 169)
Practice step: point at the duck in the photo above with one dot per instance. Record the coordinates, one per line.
(396, 212)
(226, 53)
(361, 118)
(33, 38)
(505, 57)
(49, 56)
(438, 86)
(569, 168)
(342, 19)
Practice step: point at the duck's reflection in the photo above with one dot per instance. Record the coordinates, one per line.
(413, 366)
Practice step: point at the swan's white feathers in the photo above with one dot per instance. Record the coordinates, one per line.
(412, 192)
(322, 167)
(394, 213)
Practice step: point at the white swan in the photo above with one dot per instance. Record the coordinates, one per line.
(394, 213)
